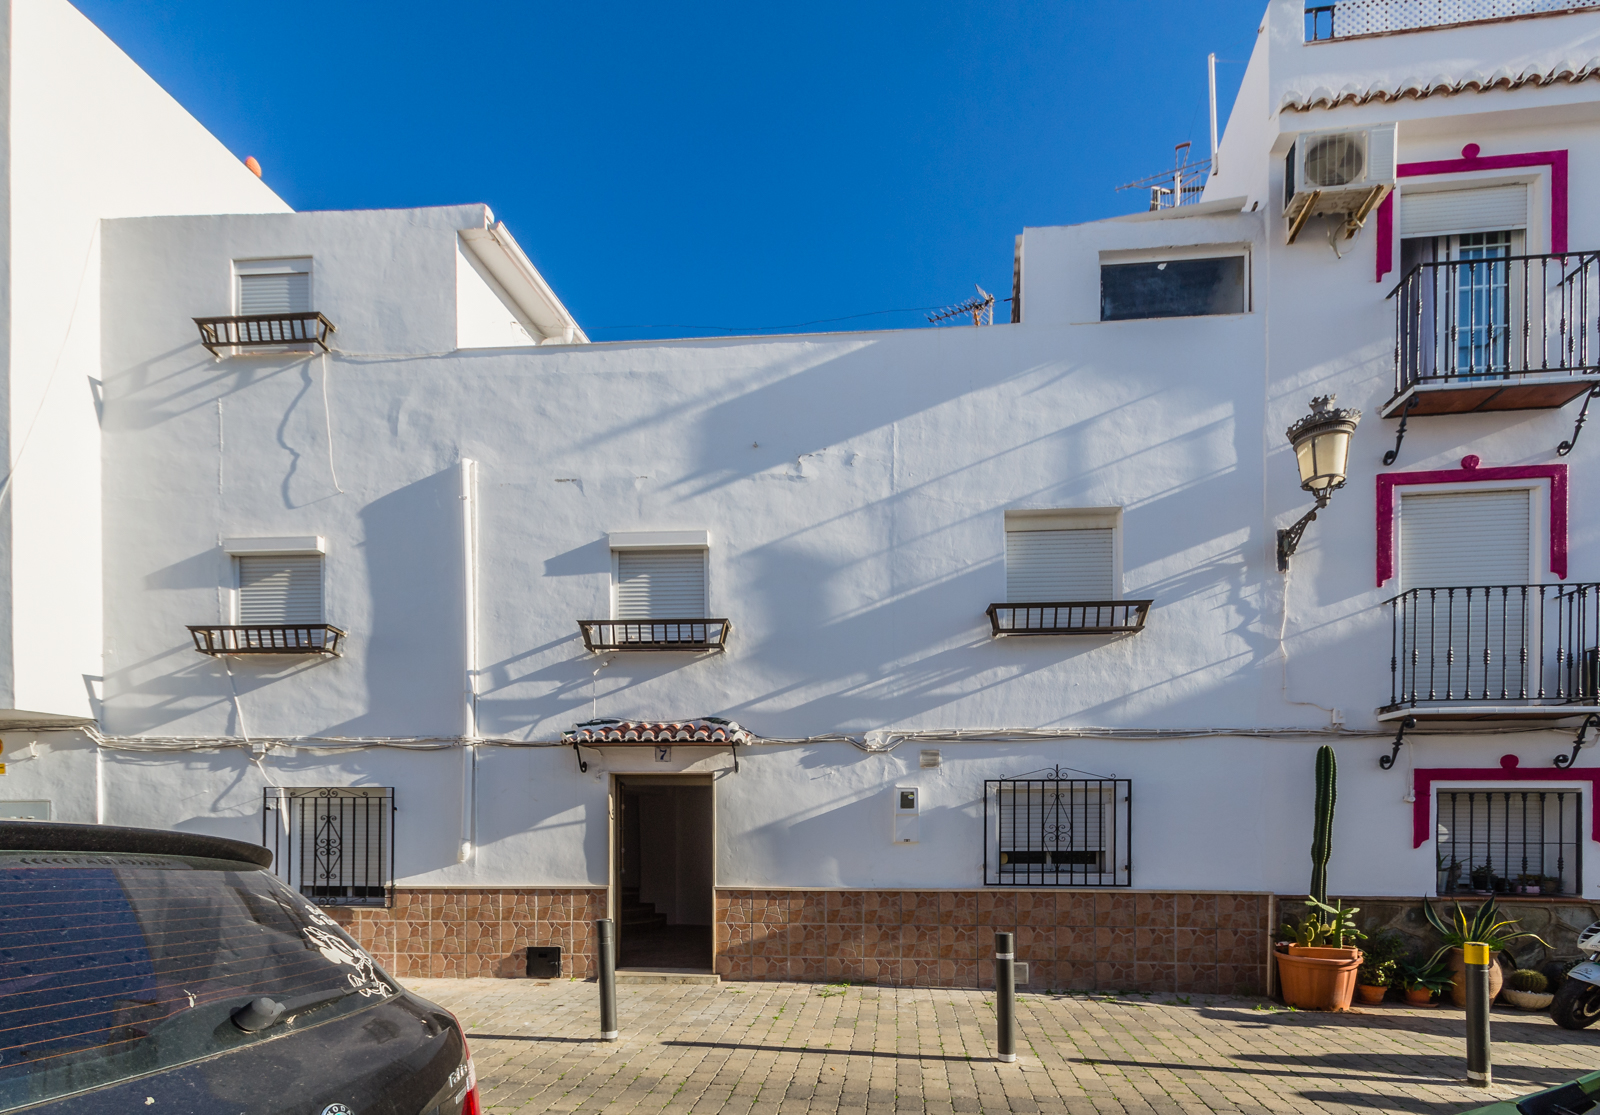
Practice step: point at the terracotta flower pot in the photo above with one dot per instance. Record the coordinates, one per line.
(1318, 982)
(1419, 996)
(1458, 985)
(1367, 993)
(1326, 953)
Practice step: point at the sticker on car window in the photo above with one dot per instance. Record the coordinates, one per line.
(338, 951)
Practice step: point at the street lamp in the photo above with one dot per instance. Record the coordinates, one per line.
(1321, 443)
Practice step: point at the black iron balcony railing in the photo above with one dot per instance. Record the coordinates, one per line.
(268, 638)
(655, 634)
(1495, 644)
(1488, 324)
(1350, 18)
(265, 331)
(1080, 617)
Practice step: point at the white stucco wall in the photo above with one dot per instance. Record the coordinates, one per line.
(90, 136)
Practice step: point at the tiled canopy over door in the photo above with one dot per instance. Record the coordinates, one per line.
(280, 589)
(1047, 566)
(1463, 552)
(661, 584)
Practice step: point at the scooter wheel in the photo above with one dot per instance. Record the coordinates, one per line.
(1576, 1005)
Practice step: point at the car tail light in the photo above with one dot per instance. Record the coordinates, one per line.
(470, 1105)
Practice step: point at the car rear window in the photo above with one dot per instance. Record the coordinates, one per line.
(113, 966)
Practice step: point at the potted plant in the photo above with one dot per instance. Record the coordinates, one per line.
(1528, 990)
(1379, 963)
(1482, 928)
(1420, 980)
(1317, 971)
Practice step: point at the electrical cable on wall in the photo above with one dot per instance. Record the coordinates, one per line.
(327, 420)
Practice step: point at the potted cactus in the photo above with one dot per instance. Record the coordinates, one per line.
(1421, 980)
(1527, 990)
(1317, 971)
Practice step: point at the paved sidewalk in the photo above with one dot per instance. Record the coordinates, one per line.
(788, 1049)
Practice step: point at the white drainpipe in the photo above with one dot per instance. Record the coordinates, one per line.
(469, 589)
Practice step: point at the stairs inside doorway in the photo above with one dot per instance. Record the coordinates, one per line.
(640, 917)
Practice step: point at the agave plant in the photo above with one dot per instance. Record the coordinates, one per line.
(1481, 927)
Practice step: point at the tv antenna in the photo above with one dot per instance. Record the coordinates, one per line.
(981, 308)
(1178, 186)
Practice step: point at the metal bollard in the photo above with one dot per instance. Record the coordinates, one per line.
(605, 932)
(1005, 996)
(1480, 1073)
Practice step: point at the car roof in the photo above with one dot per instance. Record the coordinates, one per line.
(54, 836)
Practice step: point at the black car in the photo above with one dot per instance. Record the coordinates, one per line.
(172, 974)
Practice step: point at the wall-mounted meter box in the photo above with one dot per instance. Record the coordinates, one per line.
(907, 810)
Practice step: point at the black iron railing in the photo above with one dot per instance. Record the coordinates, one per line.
(270, 638)
(1350, 18)
(1505, 644)
(1057, 832)
(655, 634)
(335, 845)
(1510, 842)
(264, 330)
(1473, 320)
(1081, 617)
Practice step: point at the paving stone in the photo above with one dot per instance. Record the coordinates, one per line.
(812, 1049)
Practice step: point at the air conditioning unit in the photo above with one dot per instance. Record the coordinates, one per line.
(1344, 173)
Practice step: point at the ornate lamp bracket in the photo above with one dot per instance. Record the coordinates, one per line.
(1289, 538)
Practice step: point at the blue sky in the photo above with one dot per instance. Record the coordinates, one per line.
(684, 170)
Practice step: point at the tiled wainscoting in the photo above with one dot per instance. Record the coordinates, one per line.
(447, 932)
(1070, 939)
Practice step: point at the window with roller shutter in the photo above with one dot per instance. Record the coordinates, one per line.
(1061, 576)
(280, 589)
(273, 286)
(658, 602)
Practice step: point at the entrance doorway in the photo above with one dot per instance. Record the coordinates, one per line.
(664, 878)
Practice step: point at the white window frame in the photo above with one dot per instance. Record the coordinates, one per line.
(296, 546)
(1067, 518)
(1538, 490)
(286, 265)
(659, 540)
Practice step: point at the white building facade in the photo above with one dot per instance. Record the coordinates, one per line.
(730, 639)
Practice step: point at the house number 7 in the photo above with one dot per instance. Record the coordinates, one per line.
(663, 754)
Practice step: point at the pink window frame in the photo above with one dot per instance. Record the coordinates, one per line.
(1470, 472)
(1423, 778)
(1472, 161)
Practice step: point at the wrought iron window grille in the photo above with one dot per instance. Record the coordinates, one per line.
(1080, 617)
(1510, 842)
(260, 331)
(1506, 644)
(1051, 830)
(655, 634)
(270, 638)
(335, 845)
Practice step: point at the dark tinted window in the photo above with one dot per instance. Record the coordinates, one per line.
(113, 966)
(1173, 288)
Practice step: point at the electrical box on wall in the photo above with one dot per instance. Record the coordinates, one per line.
(907, 808)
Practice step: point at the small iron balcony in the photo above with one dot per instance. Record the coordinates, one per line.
(1496, 333)
(1522, 650)
(271, 638)
(1078, 617)
(655, 634)
(255, 331)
